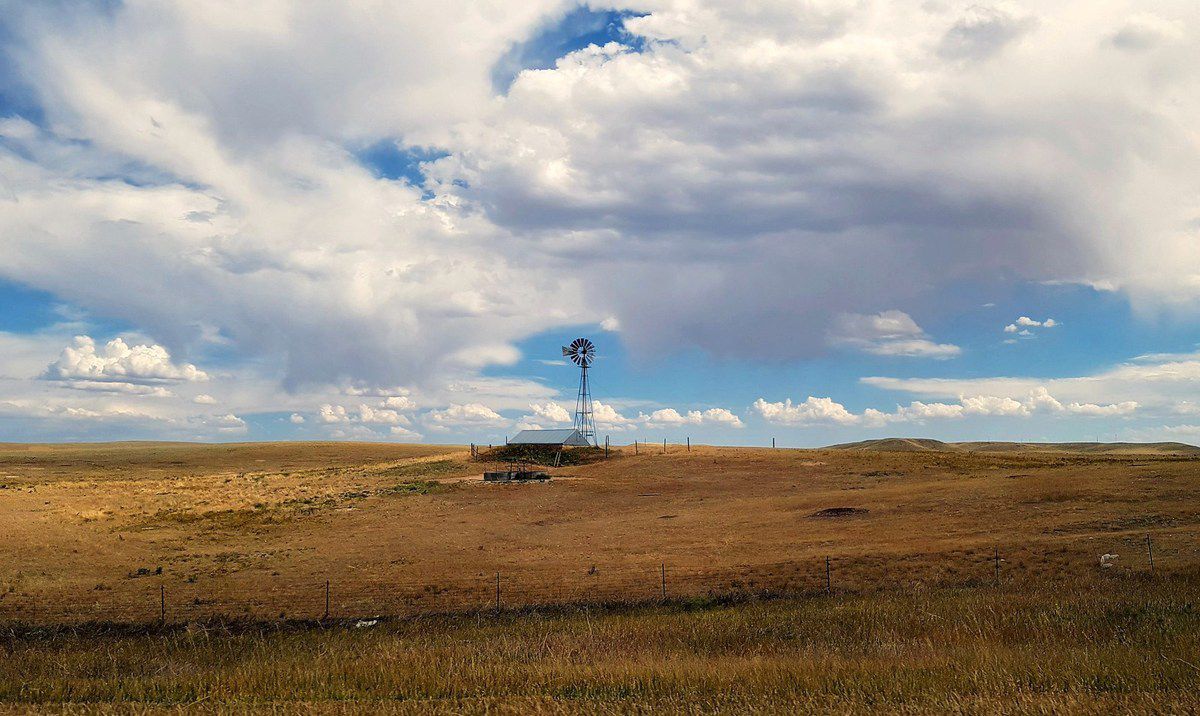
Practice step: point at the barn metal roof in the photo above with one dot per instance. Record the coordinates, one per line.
(565, 436)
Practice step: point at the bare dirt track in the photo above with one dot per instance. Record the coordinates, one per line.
(257, 529)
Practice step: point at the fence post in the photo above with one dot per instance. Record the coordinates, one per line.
(326, 616)
(772, 443)
(497, 591)
(606, 446)
(635, 447)
(664, 446)
(162, 603)
(997, 564)
(1150, 553)
(689, 443)
(828, 577)
(664, 581)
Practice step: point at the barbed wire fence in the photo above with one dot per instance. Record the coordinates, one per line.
(342, 594)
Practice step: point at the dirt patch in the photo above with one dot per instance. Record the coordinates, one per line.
(837, 512)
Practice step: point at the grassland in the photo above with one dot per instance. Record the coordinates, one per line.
(920, 615)
(1130, 647)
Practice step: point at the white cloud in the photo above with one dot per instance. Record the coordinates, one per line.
(812, 410)
(993, 405)
(296, 419)
(1023, 325)
(1037, 400)
(1153, 383)
(867, 139)
(551, 412)
(1124, 408)
(225, 423)
(791, 161)
(120, 363)
(919, 412)
(402, 433)
(722, 416)
(890, 333)
(669, 417)
(466, 415)
(607, 417)
(101, 386)
(204, 399)
(399, 402)
(362, 414)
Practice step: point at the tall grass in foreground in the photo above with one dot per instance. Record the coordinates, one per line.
(1132, 646)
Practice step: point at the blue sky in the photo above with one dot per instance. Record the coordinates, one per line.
(817, 224)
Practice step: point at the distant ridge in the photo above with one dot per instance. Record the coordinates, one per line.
(928, 445)
(898, 445)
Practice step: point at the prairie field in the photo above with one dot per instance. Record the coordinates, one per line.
(343, 577)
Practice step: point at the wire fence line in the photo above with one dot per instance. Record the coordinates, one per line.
(341, 594)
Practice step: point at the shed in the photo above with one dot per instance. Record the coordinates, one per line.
(563, 437)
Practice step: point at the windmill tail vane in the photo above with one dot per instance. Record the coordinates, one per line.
(582, 352)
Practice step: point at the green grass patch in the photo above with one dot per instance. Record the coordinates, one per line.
(417, 487)
(434, 468)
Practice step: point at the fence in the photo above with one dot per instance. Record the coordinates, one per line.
(344, 594)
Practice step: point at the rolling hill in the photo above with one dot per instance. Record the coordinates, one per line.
(929, 445)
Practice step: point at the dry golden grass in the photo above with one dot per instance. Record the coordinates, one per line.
(1130, 647)
(256, 530)
(917, 620)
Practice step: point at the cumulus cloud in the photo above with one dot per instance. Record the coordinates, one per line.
(475, 415)
(669, 417)
(119, 362)
(816, 411)
(889, 333)
(812, 410)
(793, 162)
(1024, 325)
(204, 399)
(609, 418)
(362, 414)
(551, 412)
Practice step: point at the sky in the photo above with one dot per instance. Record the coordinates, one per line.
(814, 221)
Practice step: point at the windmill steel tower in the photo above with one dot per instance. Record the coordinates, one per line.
(582, 353)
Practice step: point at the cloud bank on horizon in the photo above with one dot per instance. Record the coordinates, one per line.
(348, 218)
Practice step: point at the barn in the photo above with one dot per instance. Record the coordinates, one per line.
(566, 437)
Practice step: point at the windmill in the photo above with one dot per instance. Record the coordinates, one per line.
(582, 353)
